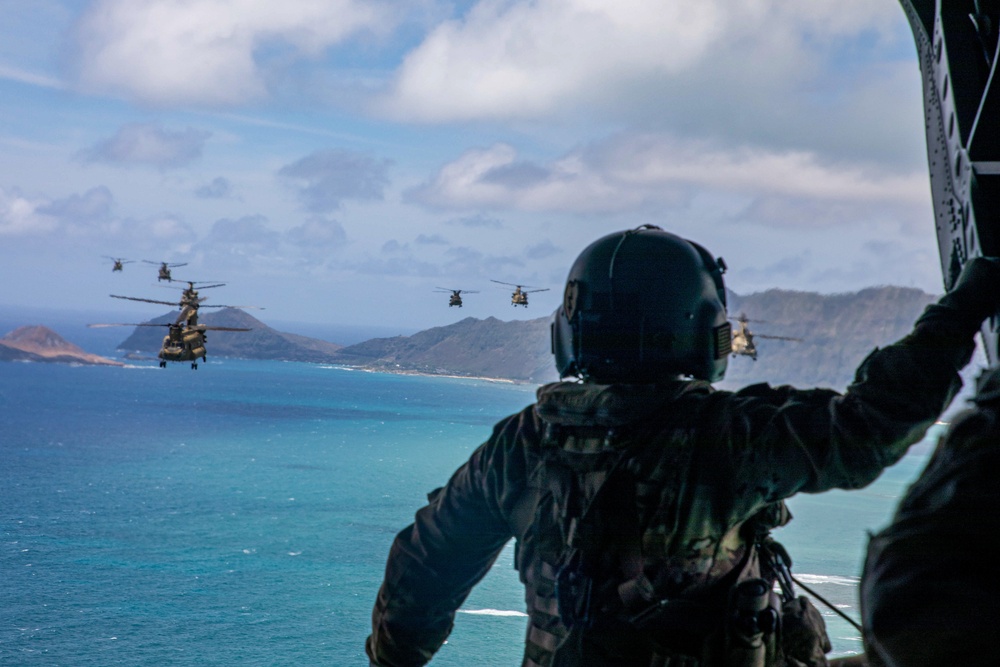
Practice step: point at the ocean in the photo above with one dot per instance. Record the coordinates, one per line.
(241, 513)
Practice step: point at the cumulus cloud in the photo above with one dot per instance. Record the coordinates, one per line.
(317, 233)
(92, 206)
(247, 234)
(22, 216)
(507, 59)
(633, 171)
(209, 52)
(431, 239)
(219, 188)
(325, 178)
(148, 144)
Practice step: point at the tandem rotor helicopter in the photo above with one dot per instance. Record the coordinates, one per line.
(164, 273)
(185, 339)
(119, 263)
(456, 295)
(519, 297)
(743, 338)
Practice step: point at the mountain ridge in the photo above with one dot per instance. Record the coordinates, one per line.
(837, 331)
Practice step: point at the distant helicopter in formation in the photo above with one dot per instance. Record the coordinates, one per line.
(119, 263)
(519, 297)
(456, 295)
(164, 273)
(189, 303)
(743, 338)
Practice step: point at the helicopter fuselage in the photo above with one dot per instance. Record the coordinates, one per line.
(183, 343)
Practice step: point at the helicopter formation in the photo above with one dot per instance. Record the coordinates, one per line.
(185, 340)
(519, 297)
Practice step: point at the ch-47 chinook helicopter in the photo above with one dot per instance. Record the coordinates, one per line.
(119, 263)
(519, 297)
(190, 301)
(185, 339)
(164, 273)
(456, 295)
(743, 338)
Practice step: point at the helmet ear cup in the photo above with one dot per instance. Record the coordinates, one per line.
(640, 306)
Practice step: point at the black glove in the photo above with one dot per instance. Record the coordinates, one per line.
(974, 297)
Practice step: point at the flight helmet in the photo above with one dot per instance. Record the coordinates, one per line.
(640, 306)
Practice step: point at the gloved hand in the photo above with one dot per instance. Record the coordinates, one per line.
(974, 297)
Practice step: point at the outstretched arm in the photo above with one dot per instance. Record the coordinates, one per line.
(435, 562)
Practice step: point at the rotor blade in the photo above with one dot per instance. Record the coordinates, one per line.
(500, 282)
(127, 324)
(798, 340)
(135, 298)
(176, 265)
(216, 305)
(532, 291)
(206, 328)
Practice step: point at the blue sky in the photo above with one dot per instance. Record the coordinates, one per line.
(335, 161)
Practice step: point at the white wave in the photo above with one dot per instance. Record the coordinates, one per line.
(828, 579)
(492, 612)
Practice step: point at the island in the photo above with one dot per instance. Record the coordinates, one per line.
(41, 344)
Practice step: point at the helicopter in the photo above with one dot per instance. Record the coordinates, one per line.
(519, 297)
(743, 338)
(164, 273)
(189, 302)
(456, 295)
(185, 340)
(119, 263)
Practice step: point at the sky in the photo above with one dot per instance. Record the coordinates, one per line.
(337, 161)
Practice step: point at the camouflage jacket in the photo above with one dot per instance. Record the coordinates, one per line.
(930, 593)
(695, 466)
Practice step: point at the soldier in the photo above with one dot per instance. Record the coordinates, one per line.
(929, 592)
(641, 497)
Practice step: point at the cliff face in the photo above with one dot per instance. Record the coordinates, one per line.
(261, 342)
(38, 343)
(517, 350)
(837, 330)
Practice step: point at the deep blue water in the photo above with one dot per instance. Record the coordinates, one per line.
(241, 513)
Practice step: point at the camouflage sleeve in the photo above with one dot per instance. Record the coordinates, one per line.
(784, 440)
(434, 562)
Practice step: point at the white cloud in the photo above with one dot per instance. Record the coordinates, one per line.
(150, 144)
(630, 172)
(509, 59)
(20, 216)
(207, 52)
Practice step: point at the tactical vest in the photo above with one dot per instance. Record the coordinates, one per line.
(581, 554)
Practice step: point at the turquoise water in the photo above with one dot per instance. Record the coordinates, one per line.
(241, 513)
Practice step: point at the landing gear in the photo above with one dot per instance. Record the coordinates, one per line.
(194, 365)
(163, 364)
